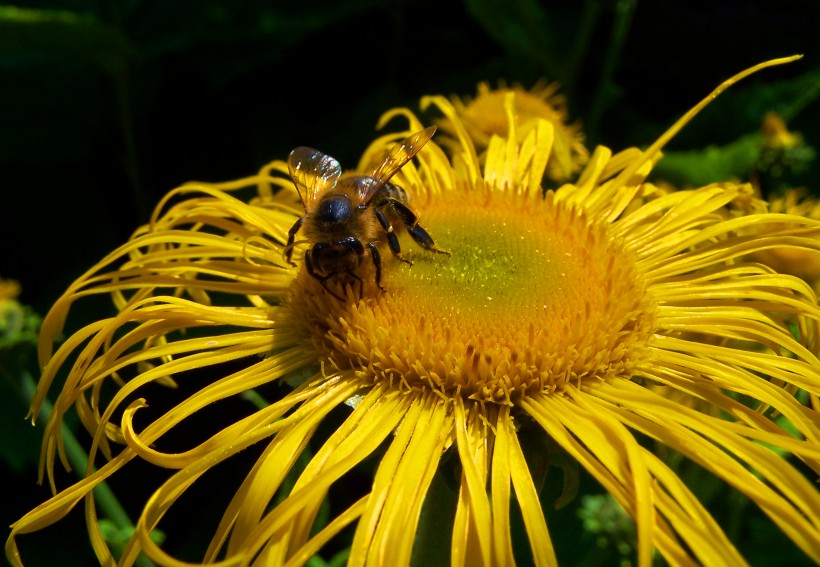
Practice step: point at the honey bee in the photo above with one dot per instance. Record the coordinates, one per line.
(347, 216)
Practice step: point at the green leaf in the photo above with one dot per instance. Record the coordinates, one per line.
(79, 36)
(117, 538)
(715, 163)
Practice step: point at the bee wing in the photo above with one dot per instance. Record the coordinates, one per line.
(313, 173)
(398, 156)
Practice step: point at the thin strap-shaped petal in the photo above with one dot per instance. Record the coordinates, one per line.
(388, 465)
(793, 506)
(747, 421)
(543, 411)
(535, 152)
(469, 159)
(527, 496)
(395, 533)
(375, 417)
(702, 357)
(588, 180)
(308, 416)
(642, 486)
(472, 529)
(314, 544)
(500, 491)
(361, 443)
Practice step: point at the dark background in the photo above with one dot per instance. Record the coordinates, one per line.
(107, 105)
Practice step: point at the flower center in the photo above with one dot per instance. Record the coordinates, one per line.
(534, 297)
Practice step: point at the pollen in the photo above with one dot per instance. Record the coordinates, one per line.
(535, 297)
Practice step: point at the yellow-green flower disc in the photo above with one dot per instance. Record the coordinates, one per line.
(535, 295)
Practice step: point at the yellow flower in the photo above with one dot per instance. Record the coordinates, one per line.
(804, 264)
(781, 151)
(497, 112)
(9, 290)
(562, 317)
(776, 135)
(15, 322)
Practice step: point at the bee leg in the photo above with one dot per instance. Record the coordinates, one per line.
(417, 233)
(377, 263)
(288, 252)
(323, 281)
(424, 240)
(392, 239)
(311, 270)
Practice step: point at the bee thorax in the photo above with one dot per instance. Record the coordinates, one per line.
(334, 209)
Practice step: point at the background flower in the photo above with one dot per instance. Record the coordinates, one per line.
(485, 114)
(805, 265)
